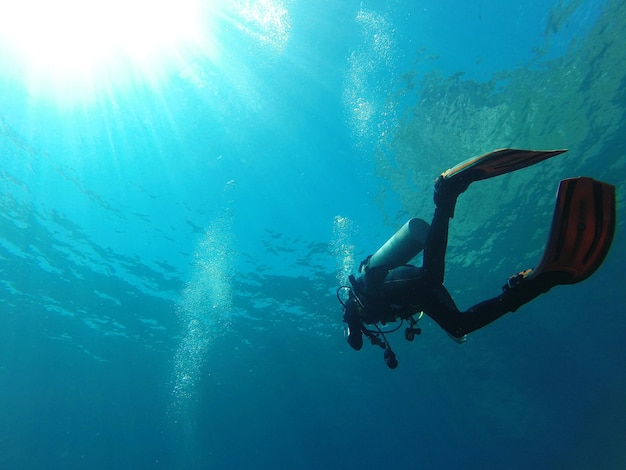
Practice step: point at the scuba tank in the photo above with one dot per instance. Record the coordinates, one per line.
(401, 248)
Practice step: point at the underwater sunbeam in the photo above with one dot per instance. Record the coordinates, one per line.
(75, 48)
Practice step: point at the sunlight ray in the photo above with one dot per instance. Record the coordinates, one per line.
(71, 48)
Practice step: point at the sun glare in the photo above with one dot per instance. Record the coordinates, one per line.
(78, 47)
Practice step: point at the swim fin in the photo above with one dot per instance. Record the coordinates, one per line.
(582, 231)
(497, 163)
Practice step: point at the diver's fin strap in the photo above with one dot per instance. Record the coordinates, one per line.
(516, 279)
(520, 290)
(498, 162)
(581, 234)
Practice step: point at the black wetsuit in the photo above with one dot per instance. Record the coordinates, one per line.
(406, 290)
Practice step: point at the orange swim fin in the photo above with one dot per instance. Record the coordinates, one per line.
(582, 231)
(497, 163)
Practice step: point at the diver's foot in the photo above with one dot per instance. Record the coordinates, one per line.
(447, 190)
(520, 290)
(515, 283)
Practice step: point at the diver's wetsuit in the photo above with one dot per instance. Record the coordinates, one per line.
(408, 289)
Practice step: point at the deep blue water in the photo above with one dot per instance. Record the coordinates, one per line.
(170, 252)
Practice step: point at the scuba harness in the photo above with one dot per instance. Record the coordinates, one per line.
(403, 246)
(377, 336)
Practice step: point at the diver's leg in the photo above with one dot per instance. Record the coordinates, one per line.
(490, 310)
(446, 194)
(441, 307)
(461, 323)
(435, 247)
(481, 314)
(456, 180)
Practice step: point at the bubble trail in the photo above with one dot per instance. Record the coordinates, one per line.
(342, 248)
(204, 309)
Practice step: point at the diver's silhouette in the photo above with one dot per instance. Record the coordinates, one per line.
(388, 289)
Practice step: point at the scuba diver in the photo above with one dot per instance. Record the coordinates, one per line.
(390, 290)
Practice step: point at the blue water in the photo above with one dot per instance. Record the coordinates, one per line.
(170, 249)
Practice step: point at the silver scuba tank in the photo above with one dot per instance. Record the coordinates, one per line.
(403, 246)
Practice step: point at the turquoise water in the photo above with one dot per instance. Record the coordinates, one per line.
(172, 237)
